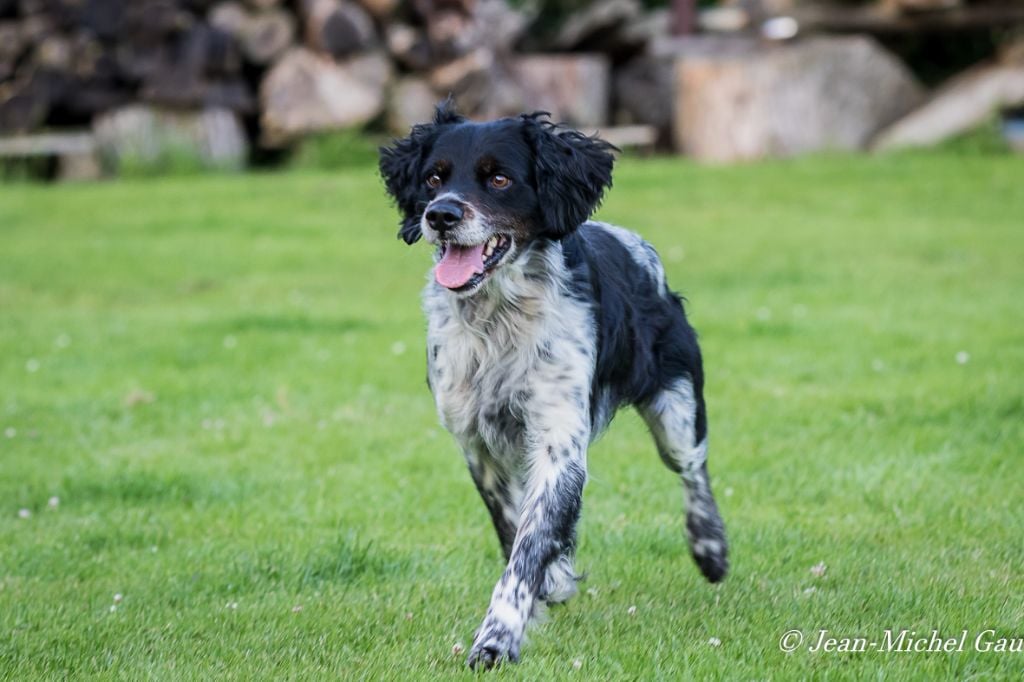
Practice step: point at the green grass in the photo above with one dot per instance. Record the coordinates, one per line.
(222, 380)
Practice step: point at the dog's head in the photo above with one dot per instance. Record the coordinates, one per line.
(483, 192)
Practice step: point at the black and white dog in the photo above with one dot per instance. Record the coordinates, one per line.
(540, 325)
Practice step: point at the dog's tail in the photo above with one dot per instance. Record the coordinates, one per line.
(705, 530)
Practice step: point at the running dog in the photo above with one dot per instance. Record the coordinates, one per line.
(541, 324)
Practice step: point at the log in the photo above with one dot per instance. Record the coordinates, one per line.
(208, 51)
(262, 36)
(138, 60)
(339, 28)
(784, 100)
(53, 144)
(594, 27)
(307, 93)
(411, 101)
(961, 105)
(573, 88)
(150, 21)
(176, 89)
(380, 9)
(24, 105)
(103, 18)
(409, 47)
(643, 95)
(150, 137)
(13, 43)
(877, 20)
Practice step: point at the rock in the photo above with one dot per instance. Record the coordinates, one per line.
(756, 100)
(573, 88)
(411, 101)
(144, 137)
(308, 93)
(964, 103)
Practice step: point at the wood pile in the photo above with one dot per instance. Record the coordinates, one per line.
(274, 71)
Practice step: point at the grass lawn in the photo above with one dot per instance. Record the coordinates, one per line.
(220, 381)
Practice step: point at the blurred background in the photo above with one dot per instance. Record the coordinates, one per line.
(92, 88)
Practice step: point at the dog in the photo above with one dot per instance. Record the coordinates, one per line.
(541, 324)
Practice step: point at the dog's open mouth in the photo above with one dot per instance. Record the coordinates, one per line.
(462, 267)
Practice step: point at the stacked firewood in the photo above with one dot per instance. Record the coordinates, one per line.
(287, 68)
(270, 72)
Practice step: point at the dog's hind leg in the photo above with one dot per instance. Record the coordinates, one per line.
(676, 419)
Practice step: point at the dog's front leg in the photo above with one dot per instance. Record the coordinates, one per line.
(554, 476)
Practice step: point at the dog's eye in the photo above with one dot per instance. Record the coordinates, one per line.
(500, 181)
(434, 181)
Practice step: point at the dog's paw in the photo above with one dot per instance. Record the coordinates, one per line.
(494, 643)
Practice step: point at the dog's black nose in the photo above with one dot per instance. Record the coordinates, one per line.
(444, 215)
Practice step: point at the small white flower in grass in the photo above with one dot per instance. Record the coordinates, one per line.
(233, 605)
(631, 610)
(577, 664)
(728, 492)
(457, 649)
(818, 569)
(31, 365)
(62, 341)
(24, 514)
(230, 342)
(153, 549)
(53, 502)
(764, 313)
(810, 590)
(10, 432)
(963, 357)
(592, 592)
(877, 365)
(118, 598)
(408, 615)
(113, 607)
(397, 348)
(714, 641)
(297, 608)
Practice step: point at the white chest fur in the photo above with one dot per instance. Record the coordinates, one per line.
(504, 362)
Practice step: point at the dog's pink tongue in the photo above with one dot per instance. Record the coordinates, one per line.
(459, 264)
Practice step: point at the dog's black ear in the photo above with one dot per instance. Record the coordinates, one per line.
(402, 163)
(571, 172)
